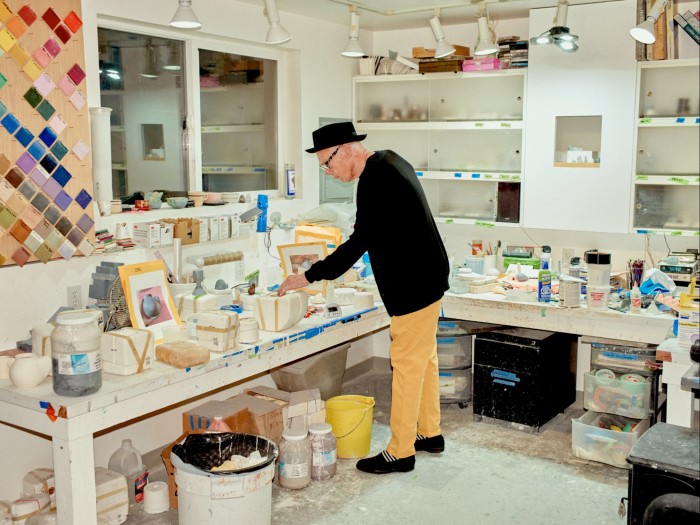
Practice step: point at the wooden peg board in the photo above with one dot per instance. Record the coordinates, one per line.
(46, 201)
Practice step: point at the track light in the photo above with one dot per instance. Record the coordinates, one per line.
(442, 48)
(151, 69)
(276, 34)
(184, 17)
(173, 63)
(486, 45)
(353, 48)
(644, 32)
(559, 34)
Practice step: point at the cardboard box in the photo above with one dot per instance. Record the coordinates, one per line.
(481, 64)
(199, 418)
(213, 228)
(146, 234)
(439, 66)
(264, 417)
(688, 320)
(204, 229)
(165, 454)
(187, 230)
(223, 227)
(305, 402)
(421, 52)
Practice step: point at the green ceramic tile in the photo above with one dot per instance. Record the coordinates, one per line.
(59, 149)
(46, 110)
(3, 79)
(44, 253)
(33, 97)
(7, 218)
(54, 239)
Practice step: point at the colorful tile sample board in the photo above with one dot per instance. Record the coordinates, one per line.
(46, 202)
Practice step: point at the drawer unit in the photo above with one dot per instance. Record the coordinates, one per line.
(626, 395)
(590, 441)
(523, 376)
(455, 385)
(454, 352)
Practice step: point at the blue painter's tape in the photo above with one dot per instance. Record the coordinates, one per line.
(502, 382)
(419, 173)
(680, 120)
(187, 369)
(643, 232)
(44, 404)
(275, 341)
(697, 120)
(192, 422)
(458, 175)
(504, 375)
(476, 175)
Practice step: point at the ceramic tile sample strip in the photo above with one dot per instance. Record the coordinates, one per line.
(46, 202)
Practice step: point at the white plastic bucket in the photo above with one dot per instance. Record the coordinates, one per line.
(244, 499)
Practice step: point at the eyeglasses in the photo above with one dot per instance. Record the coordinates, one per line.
(326, 165)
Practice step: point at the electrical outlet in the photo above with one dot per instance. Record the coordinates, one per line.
(74, 297)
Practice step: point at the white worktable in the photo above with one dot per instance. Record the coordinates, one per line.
(123, 398)
(610, 324)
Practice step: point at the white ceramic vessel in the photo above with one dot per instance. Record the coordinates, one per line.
(29, 370)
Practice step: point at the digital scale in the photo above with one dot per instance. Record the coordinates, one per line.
(680, 267)
(331, 311)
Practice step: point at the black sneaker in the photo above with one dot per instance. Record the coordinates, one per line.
(433, 444)
(384, 463)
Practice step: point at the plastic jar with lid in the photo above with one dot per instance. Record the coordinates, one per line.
(294, 465)
(75, 354)
(324, 459)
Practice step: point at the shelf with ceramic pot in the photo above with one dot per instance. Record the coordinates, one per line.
(233, 128)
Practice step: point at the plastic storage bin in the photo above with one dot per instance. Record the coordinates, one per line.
(455, 385)
(608, 355)
(589, 441)
(324, 371)
(627, 395)
(454, 352)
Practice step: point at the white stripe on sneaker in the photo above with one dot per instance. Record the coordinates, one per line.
(420, 436)
(388, 457)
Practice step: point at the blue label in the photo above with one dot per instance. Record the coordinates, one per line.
(458, 175)
(504, 375)
(502, 382)
(476, 175)
(615, 355)
(446, 340)
(419, 173)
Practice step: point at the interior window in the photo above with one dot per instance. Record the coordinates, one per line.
(238, 116)
(140, 79)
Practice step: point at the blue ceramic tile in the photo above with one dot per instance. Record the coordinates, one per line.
(63, 200)
(48, 136)
(11, 123)
(83, 198)
(52, 188)
(26, 162)
(49, 163)
(62, 176)
(24, 136)
(28, 189)
(37, 150)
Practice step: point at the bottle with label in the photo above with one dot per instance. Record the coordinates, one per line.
(323, 451)
(635, 300)
(76, 357)
(127, 461)
(295, 459)
(544, 277)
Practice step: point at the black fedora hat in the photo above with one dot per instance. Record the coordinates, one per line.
(334, 135)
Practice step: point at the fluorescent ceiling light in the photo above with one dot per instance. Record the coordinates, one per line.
(184, 17)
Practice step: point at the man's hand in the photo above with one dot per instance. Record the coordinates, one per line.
(294, 281)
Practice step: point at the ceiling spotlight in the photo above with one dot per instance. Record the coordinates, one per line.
(173, 63)
(486, 45)
(276, 34)
(559, 34)
(644, 32)
(442, 48)
(151, 69)
(353, 48)
(184, 17)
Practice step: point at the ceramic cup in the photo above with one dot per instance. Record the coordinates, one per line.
(248, 331)
(5, 363)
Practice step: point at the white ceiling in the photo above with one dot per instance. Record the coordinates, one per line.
(384, 15)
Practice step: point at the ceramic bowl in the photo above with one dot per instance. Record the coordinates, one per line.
(177, 202)
(197, 199)
(213, 197)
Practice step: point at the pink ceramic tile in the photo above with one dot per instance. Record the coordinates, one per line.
(44, 84)
(42, 57)
(21, 256)
(52, 47)
(77, 99)
(57, 124)
(81, 150)
(31, 217)
(66, 85)
(76, 74)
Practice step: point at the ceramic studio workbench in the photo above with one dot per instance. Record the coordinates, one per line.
(123, 398)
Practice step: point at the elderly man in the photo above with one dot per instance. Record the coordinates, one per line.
(395, 227)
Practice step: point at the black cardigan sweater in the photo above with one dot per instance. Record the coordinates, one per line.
(395, 227)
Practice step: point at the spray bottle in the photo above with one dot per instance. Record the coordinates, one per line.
(544, 278)
(262, 218)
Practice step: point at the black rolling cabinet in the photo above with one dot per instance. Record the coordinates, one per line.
(523, 376)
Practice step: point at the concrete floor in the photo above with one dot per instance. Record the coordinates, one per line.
(489, 474)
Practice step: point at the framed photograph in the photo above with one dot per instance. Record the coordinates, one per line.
(297, 258)
(147, 295)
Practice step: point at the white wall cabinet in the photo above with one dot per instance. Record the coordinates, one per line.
(667, 158)
(593, 85)
(462, 132)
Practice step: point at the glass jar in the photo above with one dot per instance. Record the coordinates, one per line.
(75, 354)
(294, 465)
(324, 459)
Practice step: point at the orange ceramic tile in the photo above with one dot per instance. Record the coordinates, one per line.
(73, 21)
(16, 26)
(21, 256)
(5, 13)
(20, 231)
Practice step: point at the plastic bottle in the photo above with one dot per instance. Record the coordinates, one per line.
(75, 354)
(127, 461)
(544, 277)
(324, 456)
(295, 459)
(635, 300)
(218, 425)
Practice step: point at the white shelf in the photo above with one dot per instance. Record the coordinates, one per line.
(415, 125)
(234, 128)
(439, 76)
(668, 122)
(474, 222)
(669, 231)
(473, 176)
(660, 179)
(232, 170)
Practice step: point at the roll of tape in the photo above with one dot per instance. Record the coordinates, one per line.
(632, 378)
(605, 376)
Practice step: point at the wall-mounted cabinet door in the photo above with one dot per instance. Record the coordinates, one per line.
(667, 156)
(577, 102)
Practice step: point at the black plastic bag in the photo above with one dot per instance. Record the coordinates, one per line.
(206, 451)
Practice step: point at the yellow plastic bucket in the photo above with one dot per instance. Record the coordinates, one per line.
(351, 419)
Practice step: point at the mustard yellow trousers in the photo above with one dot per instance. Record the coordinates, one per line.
(415, 389)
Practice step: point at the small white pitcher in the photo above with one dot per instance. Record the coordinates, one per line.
(29, 370)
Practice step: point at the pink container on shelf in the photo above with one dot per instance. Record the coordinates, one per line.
(481, 64)
(206, 82)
